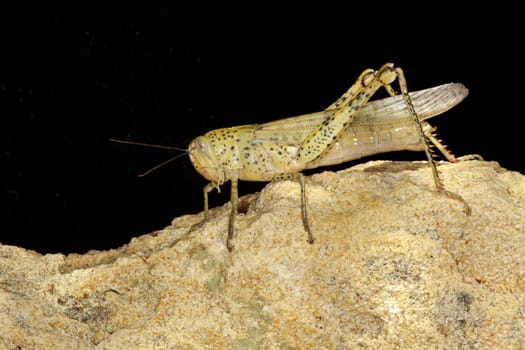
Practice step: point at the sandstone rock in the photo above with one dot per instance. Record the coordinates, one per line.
(395, 265)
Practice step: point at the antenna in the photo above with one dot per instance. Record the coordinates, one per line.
(171, 148)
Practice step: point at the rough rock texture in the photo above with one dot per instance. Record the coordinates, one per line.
(395, 265)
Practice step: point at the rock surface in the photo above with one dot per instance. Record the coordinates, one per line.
(395, 265)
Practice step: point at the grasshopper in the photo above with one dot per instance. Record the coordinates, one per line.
(350, 128)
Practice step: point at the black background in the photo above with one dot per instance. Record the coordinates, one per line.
(72, 76)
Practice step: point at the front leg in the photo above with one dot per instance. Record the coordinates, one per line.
(234, 200)
(208, 188)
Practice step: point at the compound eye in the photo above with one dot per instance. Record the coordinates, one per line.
(201, 146)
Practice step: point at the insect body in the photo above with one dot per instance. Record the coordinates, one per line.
(348, 129)
(260, 152)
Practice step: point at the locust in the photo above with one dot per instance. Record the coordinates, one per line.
(350, 128)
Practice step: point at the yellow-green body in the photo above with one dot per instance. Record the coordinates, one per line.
(350, 128)
(260, 152)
